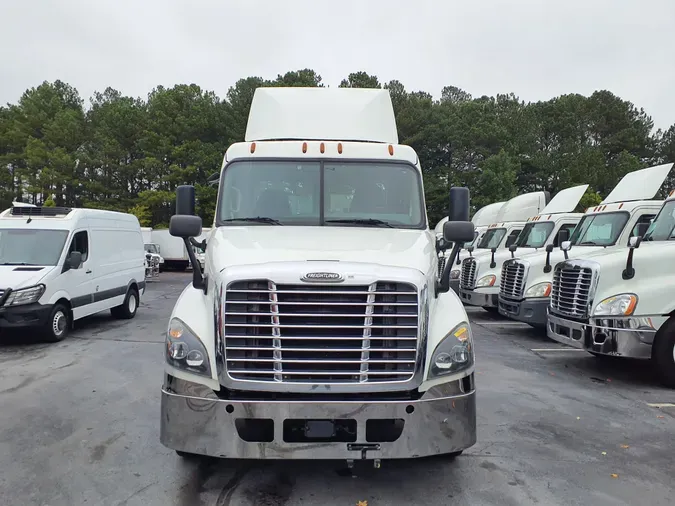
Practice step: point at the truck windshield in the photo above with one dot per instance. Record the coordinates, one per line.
(492, 238)
(663, 226)
(313, 193)
(151, 248)
(599, 229)
(31, 246)
(534, 235)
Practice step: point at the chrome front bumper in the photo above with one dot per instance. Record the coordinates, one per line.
(624, 337)
(476, 298)
(195, 420)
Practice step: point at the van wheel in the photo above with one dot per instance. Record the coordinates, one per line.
(663, 353)
(58, 324)
(127, 310)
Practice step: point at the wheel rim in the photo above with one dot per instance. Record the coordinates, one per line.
(132, 303)
(59, 323)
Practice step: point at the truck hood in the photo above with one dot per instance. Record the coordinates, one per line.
(22, 276)
(260, 244)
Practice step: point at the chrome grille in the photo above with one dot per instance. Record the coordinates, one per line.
(441, 265)
(571, 289)
(320, 333)
(468, 275)
(512, 280)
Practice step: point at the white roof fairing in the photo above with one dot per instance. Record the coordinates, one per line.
(522, 207)
(339, 114)
(487, 215)
(639, 184)
(565, 201)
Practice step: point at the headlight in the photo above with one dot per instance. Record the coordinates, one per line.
(454, 353)
(488, 280)
(184, 350)
(618, 305)
(25, 295)
(454, 274)
(539, 290)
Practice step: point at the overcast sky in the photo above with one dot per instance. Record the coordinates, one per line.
(535, 48)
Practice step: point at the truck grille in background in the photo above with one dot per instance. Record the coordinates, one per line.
(321, 333)
(468, 276)
(512, 281)
(441, 265)
(571, 290)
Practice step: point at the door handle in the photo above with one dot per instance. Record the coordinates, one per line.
(88, 272)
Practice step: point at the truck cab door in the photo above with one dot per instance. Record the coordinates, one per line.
(78, 282)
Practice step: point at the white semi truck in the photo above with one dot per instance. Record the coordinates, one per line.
(555, 222)
(511, 219)
(620, 302)
(319, 329)
(526, 281)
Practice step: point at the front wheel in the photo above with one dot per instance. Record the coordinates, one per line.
(57, 326)
(663, 353)
(128, 308)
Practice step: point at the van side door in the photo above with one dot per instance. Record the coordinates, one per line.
(78, 282)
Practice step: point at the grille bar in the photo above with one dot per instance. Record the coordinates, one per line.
(323, 334)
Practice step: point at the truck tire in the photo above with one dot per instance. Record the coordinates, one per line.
(58, 324)
(127, 310)
(663, 353)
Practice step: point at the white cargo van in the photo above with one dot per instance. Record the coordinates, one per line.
(545, 228)
(608, 225)
(319, 329)
(511, 219)
(173, 249)
(59, 264)
(620, 302)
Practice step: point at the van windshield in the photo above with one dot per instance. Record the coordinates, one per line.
(663, 226)
(599, 229)
(492, 238)
(534, 235)
(316, 193)
(151, 248)
(31, 246)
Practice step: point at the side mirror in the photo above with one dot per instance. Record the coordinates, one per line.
(458, 231)
(641, 229)
(549, 248)
(634, 242)
(492, 258)
(185, 200)
(511, 240)
(547, 265)
(74, 260)
(565, 246)
(563, 235)
(185, 226)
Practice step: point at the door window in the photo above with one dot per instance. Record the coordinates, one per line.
(80, 243)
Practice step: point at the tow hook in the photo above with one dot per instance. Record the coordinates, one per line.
(364, 449)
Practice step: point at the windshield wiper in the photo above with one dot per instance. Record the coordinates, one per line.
(588, 243)
(258, 219)
(361, 221)
(15, 263)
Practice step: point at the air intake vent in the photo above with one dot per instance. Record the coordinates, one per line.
(40, 211)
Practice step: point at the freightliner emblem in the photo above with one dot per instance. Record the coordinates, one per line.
(322, 277)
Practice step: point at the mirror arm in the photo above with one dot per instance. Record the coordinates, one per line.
(547, 266)
(443, 285)
(198, 279)
(629, 271)
(493, 264)
(200, 245)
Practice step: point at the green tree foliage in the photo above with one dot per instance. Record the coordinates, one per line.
(130, 154)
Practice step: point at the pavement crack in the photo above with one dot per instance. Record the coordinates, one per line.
(138, 492)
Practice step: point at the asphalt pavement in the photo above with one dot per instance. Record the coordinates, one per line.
(79, 425)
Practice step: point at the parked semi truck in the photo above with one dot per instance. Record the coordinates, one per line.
(619, 302)
(511, 219)
(319, 328)
(481, 275)
(526, 281)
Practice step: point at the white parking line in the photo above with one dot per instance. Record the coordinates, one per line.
(556, 349)
(660, 405)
